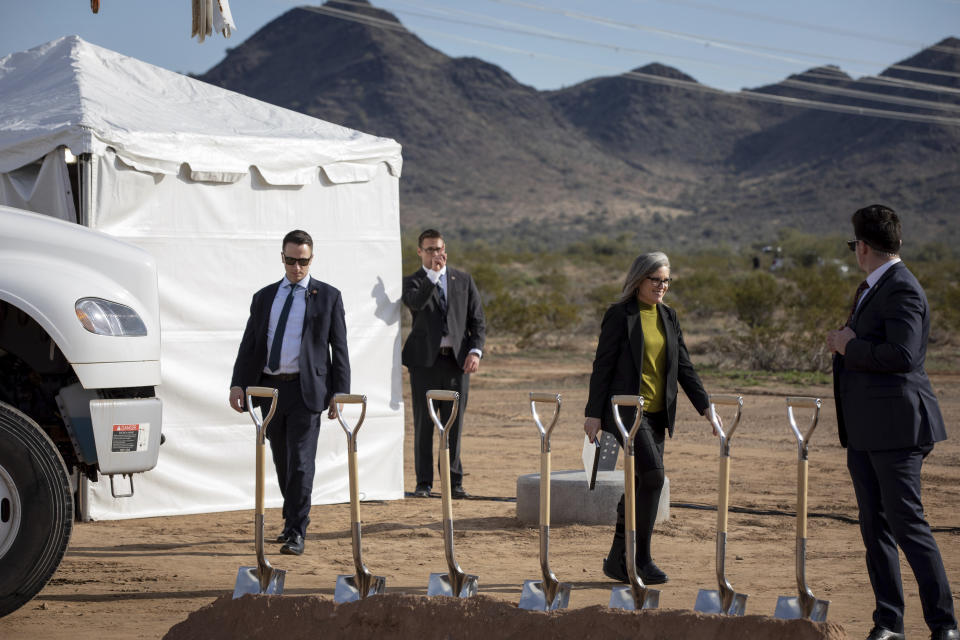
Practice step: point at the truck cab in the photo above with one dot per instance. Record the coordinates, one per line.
(79, 363)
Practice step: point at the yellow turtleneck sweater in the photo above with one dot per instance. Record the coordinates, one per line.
(654, 358)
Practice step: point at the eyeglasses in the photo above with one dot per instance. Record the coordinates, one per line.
(434, 249)
(660, 282)
(852, 244)
(300, 261)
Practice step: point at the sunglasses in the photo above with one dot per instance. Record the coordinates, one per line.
(852, 244)
(300, 261)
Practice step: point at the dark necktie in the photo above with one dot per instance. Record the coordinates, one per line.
(443, 306)
(856, 298)
(277, 346)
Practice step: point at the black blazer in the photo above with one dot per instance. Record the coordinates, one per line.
(619, 360)
(324, 361)
(883, 396)
(466, 325)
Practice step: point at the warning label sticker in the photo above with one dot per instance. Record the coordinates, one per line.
(128, 438)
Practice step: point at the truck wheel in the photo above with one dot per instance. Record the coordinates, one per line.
(36, 509)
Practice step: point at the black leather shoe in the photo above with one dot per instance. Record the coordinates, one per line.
(615, 570)
(422, 491)
(945, 634)
(459, 493)
(283, 537)
(880, 633)
(293, 546)
(651, 574)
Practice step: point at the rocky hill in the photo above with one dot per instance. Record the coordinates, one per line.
(648, 153)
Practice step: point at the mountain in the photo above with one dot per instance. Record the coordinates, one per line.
(480, 149)
(651, 116)
(650, 153)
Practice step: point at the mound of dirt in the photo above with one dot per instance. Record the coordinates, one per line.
(415, 617)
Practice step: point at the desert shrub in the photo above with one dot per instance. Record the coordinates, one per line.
(756, 298)
(529, 317)
(600, 297)
(704, 293)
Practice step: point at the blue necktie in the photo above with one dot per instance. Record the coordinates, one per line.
(274, 363)
(443, 305)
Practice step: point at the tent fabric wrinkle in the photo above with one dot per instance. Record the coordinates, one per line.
(65, 93)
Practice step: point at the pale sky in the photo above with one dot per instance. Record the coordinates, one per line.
(726, 44)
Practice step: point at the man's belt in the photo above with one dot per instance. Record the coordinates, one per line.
(279, 377)
(446, 351)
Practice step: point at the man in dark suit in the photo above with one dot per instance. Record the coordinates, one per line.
(444, 347)
(889, 420)
(296, 342)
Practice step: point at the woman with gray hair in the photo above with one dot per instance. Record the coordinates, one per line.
(641, 352)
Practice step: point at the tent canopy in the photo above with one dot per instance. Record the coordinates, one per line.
(66, 92)
(209, 181)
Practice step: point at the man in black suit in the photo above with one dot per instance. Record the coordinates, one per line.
(444, 347)
(296, 342)
(889, 420)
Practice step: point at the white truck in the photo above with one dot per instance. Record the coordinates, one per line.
(79, 360)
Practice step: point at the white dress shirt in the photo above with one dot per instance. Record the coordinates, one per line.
(874, 277)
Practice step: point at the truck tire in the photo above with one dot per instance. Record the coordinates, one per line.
(36, 509)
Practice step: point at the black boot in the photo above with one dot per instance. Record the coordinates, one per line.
(615, 564)
(649, 485)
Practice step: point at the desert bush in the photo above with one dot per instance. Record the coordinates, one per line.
(756, 298)
(600, 297)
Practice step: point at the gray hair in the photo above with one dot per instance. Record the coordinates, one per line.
(643, 266)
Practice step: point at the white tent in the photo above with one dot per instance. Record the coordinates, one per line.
(209, 181)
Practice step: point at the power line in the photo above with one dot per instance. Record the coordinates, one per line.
(522, 29)
(752, 94)
(732, 45)
(802, 25)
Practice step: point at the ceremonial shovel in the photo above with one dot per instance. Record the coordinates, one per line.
(804, 605)
(549, 593)
(362, 583)
(723, 600)
(636, 596)
(262, 578)
(455, 582)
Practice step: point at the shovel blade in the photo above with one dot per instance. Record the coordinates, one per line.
(534, 597)
(710, 601)
(439, 585)
(789, 608)
(248, 581)
(622, 598)
(347, 589)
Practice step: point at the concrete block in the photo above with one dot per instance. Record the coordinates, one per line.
(571, 502)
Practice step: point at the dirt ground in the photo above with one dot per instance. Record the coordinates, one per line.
(138, 578)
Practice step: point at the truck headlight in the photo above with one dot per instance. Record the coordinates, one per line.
(107, 318)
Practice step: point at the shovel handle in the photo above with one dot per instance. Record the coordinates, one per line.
(261, 392)
(352, 398)
(806, 403)
(545, 489)
(730, 400)
(443, 396)
(723, 500)
(445, 493)
(341, 399)
(627, 401)
(802, 499)
(545, 433)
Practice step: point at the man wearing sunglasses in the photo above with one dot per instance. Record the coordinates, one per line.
(444, 347)
(296, 342)
(889, 420)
